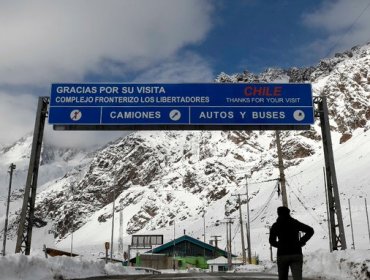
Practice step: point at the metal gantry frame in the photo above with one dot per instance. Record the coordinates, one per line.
(338, 239)
(27, 218)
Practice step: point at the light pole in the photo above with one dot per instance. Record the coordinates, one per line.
(204, 226)
(241, 230)
(72, 197)
(112, 235)
(281, 170)
(248, 224)
(11, 167)
(204, 233)
(174, 244)
(367, 218)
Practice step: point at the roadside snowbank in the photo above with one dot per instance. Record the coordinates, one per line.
(339, 265)
(20, 267)
(346, 265)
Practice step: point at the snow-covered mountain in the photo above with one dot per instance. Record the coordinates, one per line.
(169, 181)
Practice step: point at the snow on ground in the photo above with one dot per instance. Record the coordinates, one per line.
(21, 267)
(339, 265)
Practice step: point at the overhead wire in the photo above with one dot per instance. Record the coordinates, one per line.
(308, 210)
(236, 231)
(262, 209)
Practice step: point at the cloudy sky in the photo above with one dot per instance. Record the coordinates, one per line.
(48, 41)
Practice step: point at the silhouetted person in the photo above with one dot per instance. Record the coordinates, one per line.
(285, 236)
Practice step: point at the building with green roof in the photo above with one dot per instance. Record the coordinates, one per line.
(182, 253)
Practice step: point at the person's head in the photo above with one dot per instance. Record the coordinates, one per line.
(283, 211)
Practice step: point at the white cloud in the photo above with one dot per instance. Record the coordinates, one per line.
(344, 23)
(187, 68)
(17, 113)
(47, 41)
(84, 139)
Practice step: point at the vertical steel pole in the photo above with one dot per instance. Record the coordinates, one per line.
(24, 234)
(241, 230)
(227, 243)
(228, 228)
(204, 226)
(11, 168)
(271, 256)
(72, 226)
(204, 233)
(281, 170)
(120, 233)
(328, 212)
(112, 235)
(128, 255)
(350, 218)
(367, 217)
(230, 241)
(174, 244)
(248, 228)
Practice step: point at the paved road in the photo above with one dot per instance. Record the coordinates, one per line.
(194, 276)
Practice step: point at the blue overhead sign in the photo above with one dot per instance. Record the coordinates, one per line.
(181, 104)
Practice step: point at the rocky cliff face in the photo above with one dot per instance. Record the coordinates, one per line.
(153, 170)
(160, 176)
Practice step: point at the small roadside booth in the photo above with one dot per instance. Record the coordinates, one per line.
(218, 264)
(221, 264)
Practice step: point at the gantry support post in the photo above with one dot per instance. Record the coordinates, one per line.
(335, 214)
(26, 222)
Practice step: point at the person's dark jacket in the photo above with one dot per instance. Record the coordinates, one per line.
(284, 235)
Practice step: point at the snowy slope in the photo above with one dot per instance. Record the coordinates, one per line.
(55, 163)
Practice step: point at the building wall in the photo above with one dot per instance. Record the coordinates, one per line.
(188, 262)
(155, 261)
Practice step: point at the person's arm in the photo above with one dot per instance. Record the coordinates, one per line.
(308, 233)
(273, 237)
